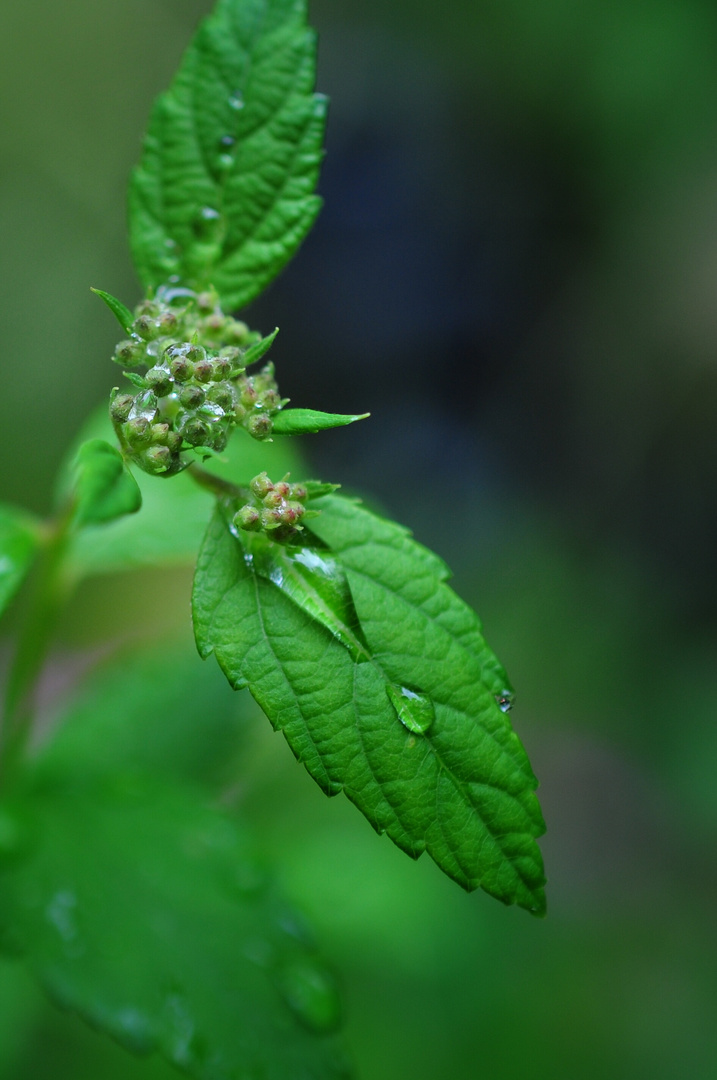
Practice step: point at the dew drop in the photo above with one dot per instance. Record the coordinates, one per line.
(134, 1030)
(505, 700)
(310, 993)
(170, 244)
(207, 222)
(414, 710)
(236, 101)
(145, 406)
(225, 162)
(227, 141)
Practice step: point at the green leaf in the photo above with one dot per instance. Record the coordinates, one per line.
(19, 543)
(314, 581)
(308, 421)
(175, 510)
(119, 717)
(259, 349)
(438, 768)
(224, 192)
(123, 315)
(105, 488)
(151, 917)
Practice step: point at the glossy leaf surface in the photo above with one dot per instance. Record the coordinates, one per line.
(224, 192)
(308, 421)
(19, 541)
(448, 775)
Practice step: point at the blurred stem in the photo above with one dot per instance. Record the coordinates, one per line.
(215, 484)
(49, 590)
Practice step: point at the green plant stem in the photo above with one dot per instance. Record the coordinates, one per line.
(48, 594)
(217, 486)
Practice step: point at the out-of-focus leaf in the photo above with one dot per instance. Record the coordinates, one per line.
(105, 488)
(19, 542)
(150, 917)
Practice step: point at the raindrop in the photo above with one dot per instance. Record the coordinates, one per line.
(227, 141)
(207, 222)
(236, 101)
(310, 993)
(505, 700)
(225, 162)
(414, 710)
(170, 244)
(145, 406)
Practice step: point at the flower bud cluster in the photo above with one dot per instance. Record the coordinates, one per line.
(195, 389)
(276, 508)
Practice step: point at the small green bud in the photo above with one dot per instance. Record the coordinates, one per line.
(147, 307)
(283, 488)
(195, 353)
(239, 413)
(180, 368)
(261, 485)
(174, 441)
(220, 438)
(233, 355)
(248, 394)
(221, 368)
(129, 353)
(299, 492)
(270, 400)
(167, 323)
(204, 370)
(194, 431)
(138, 432)
(191, 397)
(160, 432)
(235, 332)
(213, 325)
(222, 394)
(207, 301)
(271, 519)
(292, 512)
(157, 459)
(273, 499)
(160, 381)
(120, 407)
(248, 517)
(259, 426)
(146, 328)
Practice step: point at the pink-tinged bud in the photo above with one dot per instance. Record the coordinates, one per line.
(157, 459)
(203, 370)
(138, 432)
(259, 425)
(261, 485)
(159, 434)
(146, 327)
(120, 407)
(248, 517)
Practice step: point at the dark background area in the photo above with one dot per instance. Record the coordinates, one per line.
(516, 272)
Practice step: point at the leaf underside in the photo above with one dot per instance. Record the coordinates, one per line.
(224, 192)
(462, 789)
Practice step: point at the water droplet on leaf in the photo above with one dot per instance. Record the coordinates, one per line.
(225, 162)
(414, 710)
(227, 141)
(61, 913)
(236, 101)
(505, 700)
(310, 993)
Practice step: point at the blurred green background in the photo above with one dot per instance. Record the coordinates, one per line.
(516, 271)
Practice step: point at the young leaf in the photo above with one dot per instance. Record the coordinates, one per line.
(224, 192)
(105, 488)
(308, 421)
(19, 542)
(259, 349)
(152, 918)
(410, 728)
(123, 315)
